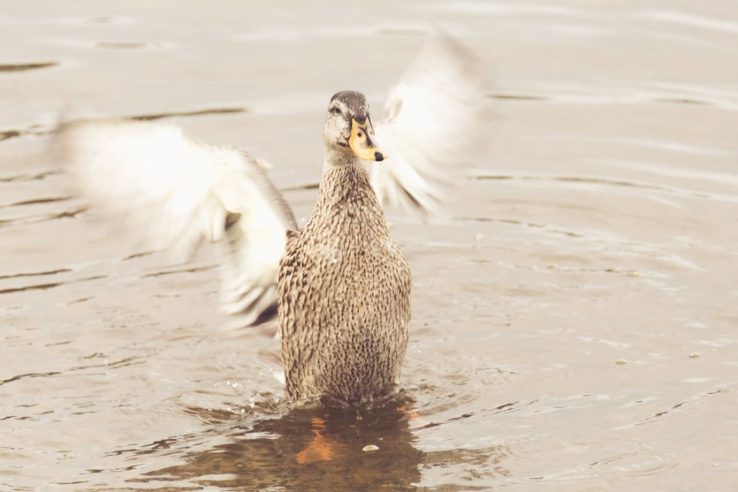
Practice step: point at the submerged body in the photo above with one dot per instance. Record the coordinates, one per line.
(344, 292)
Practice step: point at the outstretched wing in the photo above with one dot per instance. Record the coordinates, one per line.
(174, 193)
(431, 121)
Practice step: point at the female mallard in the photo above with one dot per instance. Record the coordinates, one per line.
(340, 284)
(344, 286)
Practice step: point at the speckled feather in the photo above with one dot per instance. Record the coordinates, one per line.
(344, 290)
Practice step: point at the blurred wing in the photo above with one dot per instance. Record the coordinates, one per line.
(175, 193)
(431, 122)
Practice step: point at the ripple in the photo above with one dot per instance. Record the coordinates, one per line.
(7, 134)
(22, 67)
(25, 288)
(27, 177)
(50, 285)
(639, 466)
(141, 254)
(194, 112)
(575, 179)
(478, 8)
(708, 23)
(35, 219)
(37, 201)
(44, 129)
(655, 94)
(595, 183)
(517, 97)
(120, 45)
(125, 362)
(164, 273)
(36, 274)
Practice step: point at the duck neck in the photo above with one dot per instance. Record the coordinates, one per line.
(345, 182)
(345, 190)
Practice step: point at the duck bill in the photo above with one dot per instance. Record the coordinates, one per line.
(362, 144)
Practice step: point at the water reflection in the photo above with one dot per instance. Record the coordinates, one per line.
(307, 448)
(318, 447)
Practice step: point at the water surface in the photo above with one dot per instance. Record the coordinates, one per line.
(574, 314)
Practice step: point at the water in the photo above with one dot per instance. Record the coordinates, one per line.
(574, 315)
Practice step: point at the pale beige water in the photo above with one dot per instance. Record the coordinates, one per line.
(575, 317)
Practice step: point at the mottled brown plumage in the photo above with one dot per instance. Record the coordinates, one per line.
(344, 285)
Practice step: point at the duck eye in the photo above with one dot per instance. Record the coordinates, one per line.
(335, 110)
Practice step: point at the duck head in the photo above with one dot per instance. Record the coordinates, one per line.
(348, 127)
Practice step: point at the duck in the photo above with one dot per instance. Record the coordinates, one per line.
(339, 286)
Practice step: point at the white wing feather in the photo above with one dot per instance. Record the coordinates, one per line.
(431, 122)
(176, 193)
